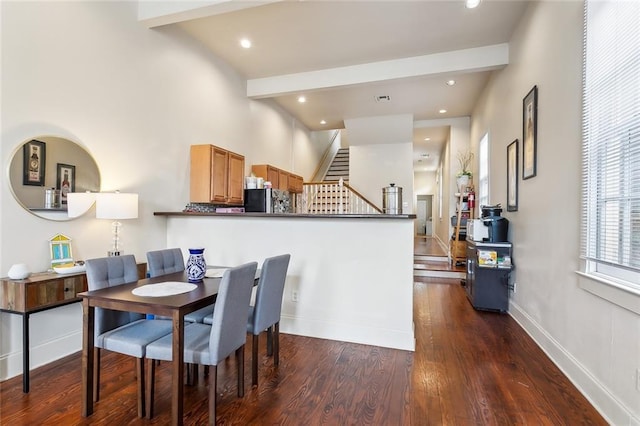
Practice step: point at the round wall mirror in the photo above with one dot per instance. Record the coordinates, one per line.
(44, 169)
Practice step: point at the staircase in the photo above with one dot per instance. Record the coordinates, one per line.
(339, 167)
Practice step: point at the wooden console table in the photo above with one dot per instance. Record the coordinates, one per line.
(40, 292)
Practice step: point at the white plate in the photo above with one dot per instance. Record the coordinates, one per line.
(215, 272)
(69, 269)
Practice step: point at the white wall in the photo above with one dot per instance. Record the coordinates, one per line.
(373, 167)
(345, 292)
(136, 99)
(596, 343)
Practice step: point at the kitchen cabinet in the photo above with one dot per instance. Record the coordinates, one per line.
(295, 184)
(268, 173)
(280, 179)
(283, 180)
(216, 176)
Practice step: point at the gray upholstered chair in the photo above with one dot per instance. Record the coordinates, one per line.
(124, 332)
(211, 344)
(265, 314)
(168, 261)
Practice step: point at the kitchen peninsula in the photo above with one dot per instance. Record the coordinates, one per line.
(350, 277)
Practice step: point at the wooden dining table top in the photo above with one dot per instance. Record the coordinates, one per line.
(115, 295)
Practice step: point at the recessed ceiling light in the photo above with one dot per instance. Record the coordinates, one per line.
(451, 82)
(323, 122)
(302, 99)
(427, 139)
(246, 43)
(472, 4)
(442, 111)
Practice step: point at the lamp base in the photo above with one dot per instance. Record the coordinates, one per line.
(114, 253)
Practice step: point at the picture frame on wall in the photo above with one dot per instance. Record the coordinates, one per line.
(33, 169)
(530, 133)
(65, 180)
(512, 176)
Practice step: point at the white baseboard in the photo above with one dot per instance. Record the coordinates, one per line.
(11, 363)
(348, 333)
(608, 406)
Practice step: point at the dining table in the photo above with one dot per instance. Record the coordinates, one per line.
(174, 306)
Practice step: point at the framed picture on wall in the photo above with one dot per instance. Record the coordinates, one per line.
(512, 176)
(529, 133)
(65, 180)
(34, 153)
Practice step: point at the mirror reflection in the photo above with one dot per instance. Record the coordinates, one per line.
(44, 169)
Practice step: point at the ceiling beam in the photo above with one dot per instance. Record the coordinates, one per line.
(157, 13)
(455, 62)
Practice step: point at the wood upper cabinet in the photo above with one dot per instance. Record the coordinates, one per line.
(283, 180)
(268, 173)
(216, 176)
(235, 188)
(295, 184)
(280, 179)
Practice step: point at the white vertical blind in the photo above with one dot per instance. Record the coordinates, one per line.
(611, 139)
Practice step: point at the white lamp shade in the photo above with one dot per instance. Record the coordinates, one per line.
(78, 203)
(116, 205)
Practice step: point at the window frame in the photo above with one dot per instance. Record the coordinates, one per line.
(612, 281)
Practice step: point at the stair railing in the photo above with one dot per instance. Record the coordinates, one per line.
(328, 156)
(333, 198)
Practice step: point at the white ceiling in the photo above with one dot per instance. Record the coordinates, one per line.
(342, 54)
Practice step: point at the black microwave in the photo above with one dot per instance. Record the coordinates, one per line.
(258, 200)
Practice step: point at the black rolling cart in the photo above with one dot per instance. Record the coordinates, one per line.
(489, 267)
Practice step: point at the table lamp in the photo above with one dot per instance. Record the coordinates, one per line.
(78, 203)
(116, 205)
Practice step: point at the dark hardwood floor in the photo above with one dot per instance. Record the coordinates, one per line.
(469, 368)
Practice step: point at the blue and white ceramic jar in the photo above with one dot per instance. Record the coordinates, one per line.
(196, 265)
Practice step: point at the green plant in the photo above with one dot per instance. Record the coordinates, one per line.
(464, 160)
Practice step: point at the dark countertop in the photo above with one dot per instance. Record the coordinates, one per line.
(290, 215)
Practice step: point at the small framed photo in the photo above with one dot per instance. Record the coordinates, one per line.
(34, 153)
(512, 176)
(529, 133)
(65, 180)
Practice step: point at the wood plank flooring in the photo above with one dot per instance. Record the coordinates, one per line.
(469, 368)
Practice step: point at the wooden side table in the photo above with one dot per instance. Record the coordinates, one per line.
(40, 292)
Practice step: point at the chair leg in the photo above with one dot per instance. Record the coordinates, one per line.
(151, 381)
(276, 343)
(96, 374)
(206, 370)
(240, 357)
(140, 379)
(189, 378)
(270, 341)
(213, 383)
(254, 360)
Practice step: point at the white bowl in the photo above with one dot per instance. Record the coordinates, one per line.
(19, 271)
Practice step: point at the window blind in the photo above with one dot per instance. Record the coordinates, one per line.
(611, 138)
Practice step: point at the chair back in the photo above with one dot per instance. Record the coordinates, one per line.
(167, 261)
(268, 305)
(109, 272)
(229, 326)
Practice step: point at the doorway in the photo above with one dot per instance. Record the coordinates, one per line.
(424, 215)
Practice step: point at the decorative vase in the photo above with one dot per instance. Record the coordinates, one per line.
(196, 265)
(463, 182)
(19, 271)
